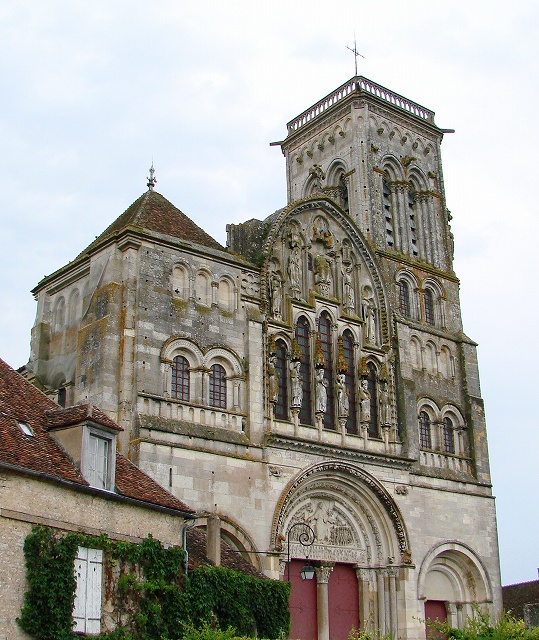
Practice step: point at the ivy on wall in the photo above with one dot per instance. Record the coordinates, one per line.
(148, 593)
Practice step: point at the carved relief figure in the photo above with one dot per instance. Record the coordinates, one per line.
(297, 383)
(322, 273)
(365, 401)
(273, 382)
(317, 175)
(384, 403)
(348, 295)
(369, 317)
(294, 271)
(321, 392)
(276, 294)
(343, 404)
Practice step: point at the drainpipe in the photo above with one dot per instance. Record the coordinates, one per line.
(184, 546)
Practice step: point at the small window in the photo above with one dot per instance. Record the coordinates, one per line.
(449, 436)
(404, 298)
(324, 328)
(281, 407)
(372, 386)
(429, 306)
(180, 379)
(425, 439)
(62, 396)
(302, 336)
(350, 381)
(99, 461)
(218, 386)
(26, 429)
(87, 606)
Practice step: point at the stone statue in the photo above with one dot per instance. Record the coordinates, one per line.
(297, 383)
(276, 294)
(365, 401)
(294, 270)
(321, 392)
(369, 316)
(273, 382)
(348, 295)
(384, 403)
(322, 274)
(343, 404)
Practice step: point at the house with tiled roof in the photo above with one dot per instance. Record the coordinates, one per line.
(60, 468)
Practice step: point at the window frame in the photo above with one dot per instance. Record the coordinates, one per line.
(425, 430)
(91, 435)
(180, 379)
(217, 387)
(429, 304)
(281, 371)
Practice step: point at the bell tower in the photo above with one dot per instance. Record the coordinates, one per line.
(377, 154)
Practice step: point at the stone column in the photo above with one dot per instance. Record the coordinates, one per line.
(381, 601)
(322, 600)
(366, 616)
(393, 611)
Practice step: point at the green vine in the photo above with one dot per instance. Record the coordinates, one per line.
(147, 592)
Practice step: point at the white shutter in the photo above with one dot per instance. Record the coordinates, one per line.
(87, 608)
(81, 571)
(93, 594)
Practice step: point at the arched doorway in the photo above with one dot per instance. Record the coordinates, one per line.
(452, 581)
(360, 551)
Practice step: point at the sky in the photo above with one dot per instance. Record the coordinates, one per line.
(93, 92)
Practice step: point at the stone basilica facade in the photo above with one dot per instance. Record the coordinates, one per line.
(311, 376)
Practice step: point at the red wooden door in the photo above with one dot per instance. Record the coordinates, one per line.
(302, 604)
(343, 601)
(434, 610)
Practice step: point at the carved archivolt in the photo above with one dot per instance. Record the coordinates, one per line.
(352, 515)
(330, 239)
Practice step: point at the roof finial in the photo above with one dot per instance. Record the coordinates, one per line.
(152, 179)
(355, 52)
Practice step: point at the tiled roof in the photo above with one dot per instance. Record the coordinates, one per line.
(133, 483)
(196, 548)
(155, 213)
(20, 402)
(59, 417)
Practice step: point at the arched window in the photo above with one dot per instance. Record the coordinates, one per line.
(373, 429)
(281, 406)
(179, 387)
(217, 386)
(448, 436)
(412, 222)
(59, 315)
(180, 282)
(429, 306)
(404, 298)
(324, 328)
(386, 202)
(425, 438)
(302, 336)
(350, 381)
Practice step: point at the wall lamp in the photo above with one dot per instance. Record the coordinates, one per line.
(306, 538)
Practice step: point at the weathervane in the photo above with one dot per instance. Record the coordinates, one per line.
(152, 179)
(355, 52)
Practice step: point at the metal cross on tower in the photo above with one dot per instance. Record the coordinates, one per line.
(356, 53)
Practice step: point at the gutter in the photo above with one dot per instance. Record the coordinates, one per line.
(100, 493)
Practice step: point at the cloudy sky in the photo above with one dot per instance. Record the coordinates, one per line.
(93, 91)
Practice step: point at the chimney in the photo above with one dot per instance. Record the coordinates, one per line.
(213, 549)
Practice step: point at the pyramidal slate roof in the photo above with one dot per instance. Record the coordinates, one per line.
(153, 212)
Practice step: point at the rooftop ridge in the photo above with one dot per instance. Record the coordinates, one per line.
(359, 84)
